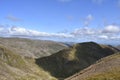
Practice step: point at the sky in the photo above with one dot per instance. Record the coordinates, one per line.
(61, 20)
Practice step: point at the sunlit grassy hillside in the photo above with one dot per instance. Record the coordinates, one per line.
(16, 67)
(32, 48)
(105, 69)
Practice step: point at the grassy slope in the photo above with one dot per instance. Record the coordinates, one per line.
(32, 48)
(15, 67)
(105, 69)
(69, 61)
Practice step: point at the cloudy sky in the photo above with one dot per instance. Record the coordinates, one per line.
(61, 20)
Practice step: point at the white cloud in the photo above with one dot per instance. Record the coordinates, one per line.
(111, 29)
(83, 31)
(103, 37)
(1, 29)
(16, 30)
(22, 32)
(110, 32)
(88, 19)
(109, 37)
(115, 37)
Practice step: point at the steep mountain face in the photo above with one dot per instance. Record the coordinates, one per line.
(71, 60)
(16, 67)
(32, 48)
(105, 69)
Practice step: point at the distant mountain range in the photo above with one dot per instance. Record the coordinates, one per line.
(25, 59)
(69, 44)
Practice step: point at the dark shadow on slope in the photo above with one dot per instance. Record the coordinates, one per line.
(69, 61)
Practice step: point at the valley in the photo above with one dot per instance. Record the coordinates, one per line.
(58, 62)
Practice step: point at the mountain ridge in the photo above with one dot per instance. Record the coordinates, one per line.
(60, 65)
(73, 59)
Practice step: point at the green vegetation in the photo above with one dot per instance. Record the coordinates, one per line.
(111, 75)
(32, 48)
(107, 68)
(11, 58)
(18, 60)
(16, 67)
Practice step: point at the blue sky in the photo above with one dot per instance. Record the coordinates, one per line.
(74, 20)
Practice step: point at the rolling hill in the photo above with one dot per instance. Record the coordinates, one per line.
(16, 67)
(25, 59)
(74, 59)
(32, 48)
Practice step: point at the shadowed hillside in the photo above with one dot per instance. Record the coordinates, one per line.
(32, 48)
(16, 67)
(105, 69)
(71, 60)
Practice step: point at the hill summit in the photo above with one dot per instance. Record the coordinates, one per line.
(74, 59)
